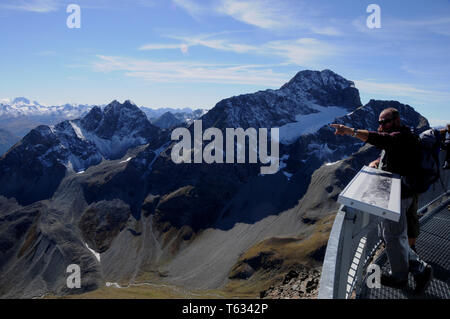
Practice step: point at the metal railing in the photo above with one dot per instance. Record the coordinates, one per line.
(353, 241)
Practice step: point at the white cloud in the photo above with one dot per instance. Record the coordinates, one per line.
(156, 46)
(435, 72)
(277, 15)
(305, 52)
(193, 8)
(438, 25)
(393, 28)
(45, 6)
(261, 13)
(182, 71)
(400, 89)
(183, 47)
(272, 15)
(396, 90)
(40, 6)
(209, 41)
(429, 22)
(331, 31)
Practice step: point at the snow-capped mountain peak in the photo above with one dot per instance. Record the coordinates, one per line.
(325, 88)
(20, 101)
(307, 93)
(315, 79)
(21, 107)
(74, 145)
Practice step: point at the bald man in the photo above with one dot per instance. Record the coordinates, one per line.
(401, 156)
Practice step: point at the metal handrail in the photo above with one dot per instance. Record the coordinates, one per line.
(353, 241)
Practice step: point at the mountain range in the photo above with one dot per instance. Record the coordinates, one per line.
(102, 191)
(20, 115)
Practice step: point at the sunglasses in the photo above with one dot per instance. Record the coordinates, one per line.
(383, 122)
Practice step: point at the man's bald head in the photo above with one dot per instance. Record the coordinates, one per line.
(390, 112)
(390, 118)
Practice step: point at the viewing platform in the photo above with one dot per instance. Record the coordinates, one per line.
(355, 243)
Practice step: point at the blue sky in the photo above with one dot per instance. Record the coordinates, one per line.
(186, 53)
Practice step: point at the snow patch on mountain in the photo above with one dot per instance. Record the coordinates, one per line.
(81, 143)
(334, 163)
(77, 130)
(283, 165)
(309, 123)
(96, 254)
(125, 161)
(321, 151)
(110, 148)
(157, 154)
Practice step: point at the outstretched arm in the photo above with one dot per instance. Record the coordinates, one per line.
(375, 163)
(363, 135)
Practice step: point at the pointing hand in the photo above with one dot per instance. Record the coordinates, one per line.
(341, 129)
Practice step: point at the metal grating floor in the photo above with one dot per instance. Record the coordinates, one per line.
(433, 246)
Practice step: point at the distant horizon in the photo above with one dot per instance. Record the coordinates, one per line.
(10, 100)
(435, 125)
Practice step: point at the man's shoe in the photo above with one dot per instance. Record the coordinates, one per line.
(423, 280)
(390, 281)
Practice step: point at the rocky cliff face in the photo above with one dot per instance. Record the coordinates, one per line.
(20, 115)
(309, 151)
(33, 168)
(174, 117)
(302, 95)
(167, 120)
(297, 284)
(105, 184)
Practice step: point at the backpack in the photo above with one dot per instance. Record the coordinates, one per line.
(428, 171)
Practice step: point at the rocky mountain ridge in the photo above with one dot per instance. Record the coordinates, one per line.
(275, 108)
(20, 115)
(21, 106)
(46, 154)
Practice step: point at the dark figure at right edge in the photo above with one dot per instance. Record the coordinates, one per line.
(401, 157)
(445, 133)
